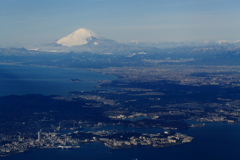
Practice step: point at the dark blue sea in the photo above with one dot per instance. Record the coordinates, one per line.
(20, 80)
(215, 141)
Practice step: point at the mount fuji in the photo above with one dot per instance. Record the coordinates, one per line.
(85, 40)
(80, 37)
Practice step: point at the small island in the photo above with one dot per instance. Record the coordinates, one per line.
(76, 80)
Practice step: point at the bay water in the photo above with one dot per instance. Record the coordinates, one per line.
(21, 80)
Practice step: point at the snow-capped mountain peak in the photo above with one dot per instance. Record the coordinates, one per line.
(79, 37)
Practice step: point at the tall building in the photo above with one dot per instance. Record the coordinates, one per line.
(39, 135)
(19, 138)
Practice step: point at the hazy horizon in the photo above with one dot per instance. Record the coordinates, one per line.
(33, 22)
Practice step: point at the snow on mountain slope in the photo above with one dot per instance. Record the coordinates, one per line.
(79, 37)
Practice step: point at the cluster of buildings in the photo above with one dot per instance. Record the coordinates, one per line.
(153, 140)
(15, 145)
(19, 144)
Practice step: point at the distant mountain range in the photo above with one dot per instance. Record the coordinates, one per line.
(181, 44)
(85, 40)
(85, 45)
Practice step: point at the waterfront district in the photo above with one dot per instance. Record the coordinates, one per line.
(112, 138)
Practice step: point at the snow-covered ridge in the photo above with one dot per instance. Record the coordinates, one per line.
(79, 37)
(227, 41)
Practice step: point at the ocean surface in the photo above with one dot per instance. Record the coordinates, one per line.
(215, 141)
(20, 80)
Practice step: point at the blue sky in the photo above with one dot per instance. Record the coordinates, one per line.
(44, 21)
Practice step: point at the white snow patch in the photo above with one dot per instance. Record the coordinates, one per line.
(131, 55)
(54, 50)
(33, 49)
(142, 53)
(107, 53)
(79, 37)
(134, 54)
(236, 41)
(135, 41)
(227, 41)
(222, 41)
